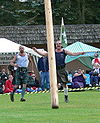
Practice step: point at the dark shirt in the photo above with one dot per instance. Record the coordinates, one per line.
(60, 58)
(1, 87)
(79, 78)
(3, 77)
(43, 64)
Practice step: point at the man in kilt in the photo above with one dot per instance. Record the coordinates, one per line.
(60, 55)
(20, 63)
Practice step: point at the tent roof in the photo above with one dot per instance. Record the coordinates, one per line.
(80, 47)
(7, 46)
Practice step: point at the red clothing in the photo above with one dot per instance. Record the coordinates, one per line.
(96, 60)
(8, 86)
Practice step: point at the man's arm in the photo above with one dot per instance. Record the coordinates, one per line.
(43, 53)
(12, 62)
(30, 60)
(74, 54)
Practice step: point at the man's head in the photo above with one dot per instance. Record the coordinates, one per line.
(79, 70)
(58, 44)
(10, 77)
(3, 70)
(21, 49)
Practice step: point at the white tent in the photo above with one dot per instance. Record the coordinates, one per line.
(7, 46)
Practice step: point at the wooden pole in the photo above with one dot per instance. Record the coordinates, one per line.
(51, 54)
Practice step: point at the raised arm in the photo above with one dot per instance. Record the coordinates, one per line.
(42, 53)
(74, 54)
(31, 62)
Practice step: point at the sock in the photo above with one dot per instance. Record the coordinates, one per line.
(13, 91)
(66, 91)
(23, 92)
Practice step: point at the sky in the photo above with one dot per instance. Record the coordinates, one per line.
(22, 0)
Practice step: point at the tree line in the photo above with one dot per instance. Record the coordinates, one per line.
(32, 12)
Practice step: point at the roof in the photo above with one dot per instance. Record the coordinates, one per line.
(36, 34)
(80, 47)
(7, 46)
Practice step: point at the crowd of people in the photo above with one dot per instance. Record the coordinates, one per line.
(21, 80)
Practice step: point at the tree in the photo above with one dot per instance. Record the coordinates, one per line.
(31, 12)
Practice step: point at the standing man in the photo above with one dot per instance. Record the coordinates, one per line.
(60, 55)
(20, 63)
(43, 68)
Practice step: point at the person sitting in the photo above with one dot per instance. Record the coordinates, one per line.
(8, 85)
(3, 76)
(96, 61)
(2, 87)
(95, 72)
(33, 83)
(78, 80)
(95, 76)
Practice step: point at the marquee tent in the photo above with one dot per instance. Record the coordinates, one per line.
(81, 47)
(7, 46)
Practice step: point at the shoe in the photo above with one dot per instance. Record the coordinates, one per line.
(12, 97)
(22, 100)
(66, 98)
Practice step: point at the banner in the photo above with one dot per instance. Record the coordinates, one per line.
(63, 37)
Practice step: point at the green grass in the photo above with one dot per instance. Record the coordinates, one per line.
(83, 107)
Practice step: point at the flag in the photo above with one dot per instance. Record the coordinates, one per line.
(63, 37)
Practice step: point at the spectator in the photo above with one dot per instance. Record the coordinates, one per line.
(43, 68)
(78, 80)
(95, 73)
(3, 76)
(2, 87)
(96, 61)
(32, 81)
(95, 77)
(8, 85)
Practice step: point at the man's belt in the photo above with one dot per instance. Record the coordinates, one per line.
(60, 67)
(44, 70)
(22, 69)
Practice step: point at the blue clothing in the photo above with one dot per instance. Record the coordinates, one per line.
(43, 64)
(43, 67)
(45, 82)
(79, 78)
(78, 82)
(94, 78)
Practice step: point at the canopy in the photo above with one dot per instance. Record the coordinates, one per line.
(7, 46)
(81, 47)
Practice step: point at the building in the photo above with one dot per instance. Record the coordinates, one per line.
(35, 35)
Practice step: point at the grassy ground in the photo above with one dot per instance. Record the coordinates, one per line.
(83, 107)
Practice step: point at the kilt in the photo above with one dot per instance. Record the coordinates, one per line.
(62, 76)
(21, 76)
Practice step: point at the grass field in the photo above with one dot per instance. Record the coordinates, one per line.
(83, 107)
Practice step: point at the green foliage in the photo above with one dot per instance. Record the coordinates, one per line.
(32, 12)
